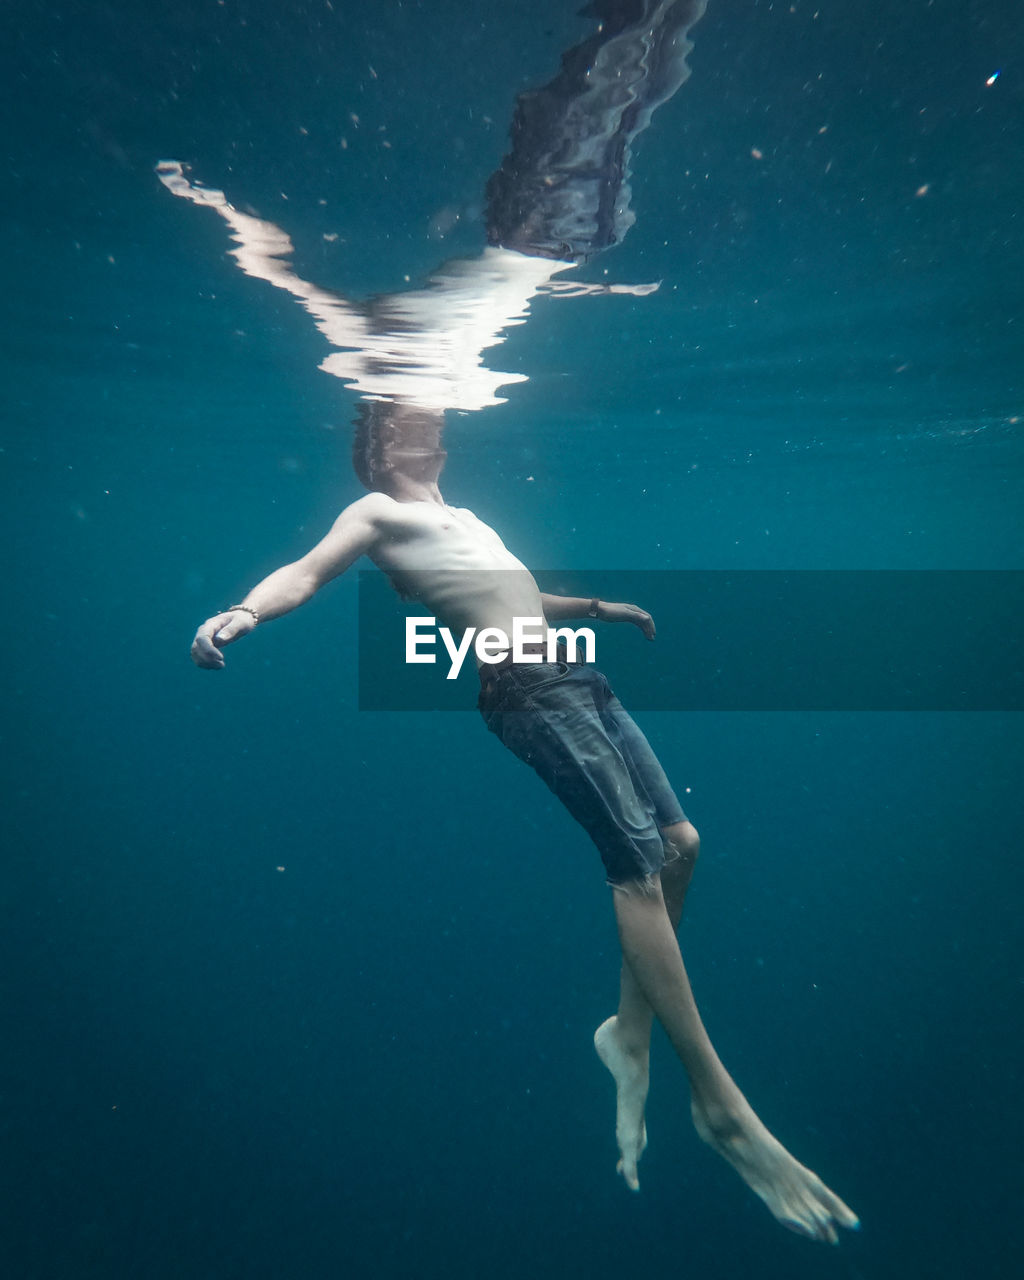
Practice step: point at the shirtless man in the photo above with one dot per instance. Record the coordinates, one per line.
(565, 722)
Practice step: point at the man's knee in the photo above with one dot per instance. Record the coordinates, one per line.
(682, 843)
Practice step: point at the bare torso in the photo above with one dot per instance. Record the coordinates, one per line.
(453, 563)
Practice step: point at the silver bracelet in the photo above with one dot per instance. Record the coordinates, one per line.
(244, 608)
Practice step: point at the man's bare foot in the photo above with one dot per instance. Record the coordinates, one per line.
(630, 1070)
(797, 1197)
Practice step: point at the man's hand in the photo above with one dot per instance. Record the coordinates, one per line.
(608, 612)
(215, 633)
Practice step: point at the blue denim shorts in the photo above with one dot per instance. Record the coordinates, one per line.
(563, 720)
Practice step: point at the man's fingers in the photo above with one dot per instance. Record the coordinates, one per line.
(646, 623)
(631, 613)
(228, 628)
(205, 653)
(217, 632)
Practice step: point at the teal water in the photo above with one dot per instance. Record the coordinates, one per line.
(377, 1061)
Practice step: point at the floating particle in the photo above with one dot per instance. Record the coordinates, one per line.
(756, 153)
(922, 190)
(992, 79)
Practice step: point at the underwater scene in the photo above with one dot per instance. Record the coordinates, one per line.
(340, 340)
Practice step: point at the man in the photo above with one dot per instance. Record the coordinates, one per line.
(565, 722)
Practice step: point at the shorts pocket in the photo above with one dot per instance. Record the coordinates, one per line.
(544, 676)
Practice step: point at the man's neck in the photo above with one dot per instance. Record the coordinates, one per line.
(404, 489)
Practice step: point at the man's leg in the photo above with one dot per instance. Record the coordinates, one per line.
(723, 1117)
(623, 1042)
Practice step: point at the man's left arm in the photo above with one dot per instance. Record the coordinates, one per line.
(565, 608)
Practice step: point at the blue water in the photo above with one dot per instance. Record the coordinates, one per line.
(376, 1061)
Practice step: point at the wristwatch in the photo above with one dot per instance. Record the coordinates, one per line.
(595, 605)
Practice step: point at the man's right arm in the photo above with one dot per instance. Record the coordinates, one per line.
(353, 533)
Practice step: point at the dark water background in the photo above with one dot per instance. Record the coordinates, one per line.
(377, 1061)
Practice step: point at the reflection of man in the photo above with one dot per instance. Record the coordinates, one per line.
(559, 198)
(564, 721)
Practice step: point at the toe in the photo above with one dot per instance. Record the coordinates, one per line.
(628, 1171)
(844, 1215)
(799, 1227)
(825, 1228)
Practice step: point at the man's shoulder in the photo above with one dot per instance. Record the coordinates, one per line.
(371, 506)
(385, 516)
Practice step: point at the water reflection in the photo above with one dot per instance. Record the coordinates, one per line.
(559, 197)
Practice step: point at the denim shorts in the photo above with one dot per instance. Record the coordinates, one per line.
(563, 720)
